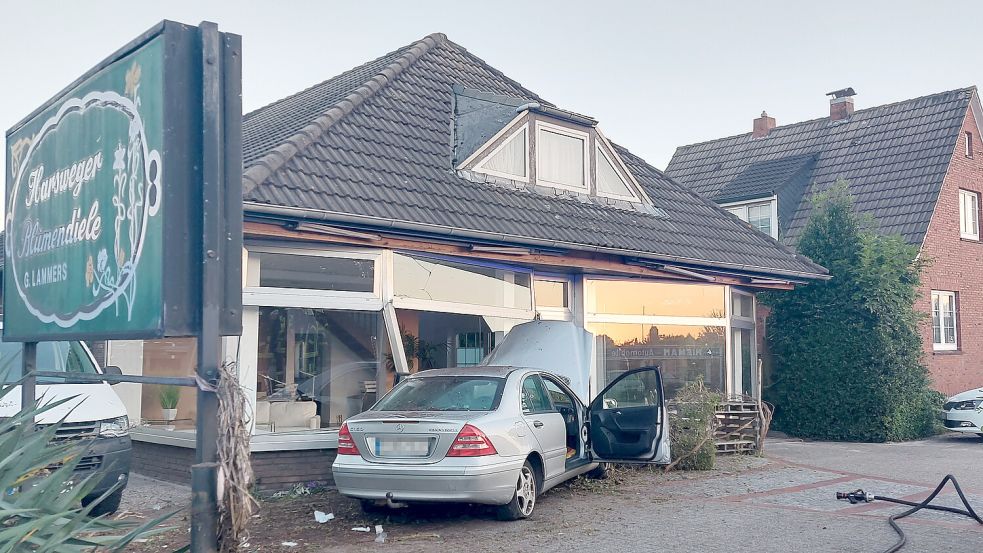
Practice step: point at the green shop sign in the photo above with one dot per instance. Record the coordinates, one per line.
(100, 217)
(84, 206)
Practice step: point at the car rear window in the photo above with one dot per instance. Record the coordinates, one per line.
(444, 393)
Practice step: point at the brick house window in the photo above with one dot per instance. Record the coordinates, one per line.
(969, 144)
(944, 335)
(969, 215)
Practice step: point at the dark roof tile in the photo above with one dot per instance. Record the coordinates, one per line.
(894, 156)
(381, 153)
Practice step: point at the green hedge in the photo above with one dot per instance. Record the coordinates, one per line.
(847, 352)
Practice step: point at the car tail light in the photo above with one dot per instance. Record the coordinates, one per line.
(471, 442)
(346, 445)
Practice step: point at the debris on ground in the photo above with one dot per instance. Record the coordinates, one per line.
(322, 517)
(361, 529)
(418, 536)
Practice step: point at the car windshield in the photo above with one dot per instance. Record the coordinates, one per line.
(444, 393)
(69, 357)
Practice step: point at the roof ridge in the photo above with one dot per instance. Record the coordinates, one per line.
(813, 120)
(269, 163)
(496, 71)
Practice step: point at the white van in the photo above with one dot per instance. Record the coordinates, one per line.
(96, 413)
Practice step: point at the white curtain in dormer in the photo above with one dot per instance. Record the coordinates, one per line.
(608, 179)
(560, 159)
(511, 158)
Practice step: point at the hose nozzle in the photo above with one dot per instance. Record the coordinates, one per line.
(854, 497)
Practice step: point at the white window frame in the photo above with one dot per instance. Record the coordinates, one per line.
(480, 166)
(443, 306)
(943, 345)
(740, 209)
(964, 212)
(268, 296)
(619, 170)
(541, 127)
(729, 322)
(549, 313)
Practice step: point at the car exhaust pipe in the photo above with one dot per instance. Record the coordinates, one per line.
(394, 504)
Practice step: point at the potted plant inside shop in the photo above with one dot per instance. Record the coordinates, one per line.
(169, 396)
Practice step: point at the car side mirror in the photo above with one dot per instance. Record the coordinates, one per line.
(113, 370)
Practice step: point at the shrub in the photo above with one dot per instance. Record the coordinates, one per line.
(692, 422)
(40, 506)
(847, 352)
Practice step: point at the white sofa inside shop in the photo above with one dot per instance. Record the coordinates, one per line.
(286, 416)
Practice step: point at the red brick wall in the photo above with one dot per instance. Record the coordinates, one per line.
(956, 265)
(273, 470)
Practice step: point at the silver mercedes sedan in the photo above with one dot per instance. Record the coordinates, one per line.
(497, 436)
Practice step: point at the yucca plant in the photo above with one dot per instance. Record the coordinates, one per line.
(40, 495)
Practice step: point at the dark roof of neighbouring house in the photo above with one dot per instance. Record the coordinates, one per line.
(371, 148)
(894, 156)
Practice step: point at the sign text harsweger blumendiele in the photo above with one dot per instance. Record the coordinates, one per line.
(88, 185)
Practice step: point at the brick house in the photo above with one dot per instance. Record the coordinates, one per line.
(915, 166)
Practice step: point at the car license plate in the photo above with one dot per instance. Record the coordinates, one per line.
(401, 447)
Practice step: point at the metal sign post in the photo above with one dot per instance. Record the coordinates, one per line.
(29, 358)
(204, 474)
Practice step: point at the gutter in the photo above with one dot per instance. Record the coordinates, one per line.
(379, 222)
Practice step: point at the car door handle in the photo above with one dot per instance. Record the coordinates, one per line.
(537, 424)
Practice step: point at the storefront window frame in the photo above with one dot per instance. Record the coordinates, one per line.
(443, 306)
(553, 313)
(729, 322)
(267, 296)
(738, 322)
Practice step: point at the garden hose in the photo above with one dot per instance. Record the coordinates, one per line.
(860, 496)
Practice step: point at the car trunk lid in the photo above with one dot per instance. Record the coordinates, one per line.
(407, 437)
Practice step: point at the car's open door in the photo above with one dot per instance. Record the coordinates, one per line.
(627, 420)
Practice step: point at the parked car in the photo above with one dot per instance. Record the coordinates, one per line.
(964, 412)
(94, 413)
(495, 435)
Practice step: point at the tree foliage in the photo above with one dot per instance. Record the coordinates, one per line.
(847, 352)
(692, 424)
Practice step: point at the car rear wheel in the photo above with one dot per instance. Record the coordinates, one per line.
(524, 500)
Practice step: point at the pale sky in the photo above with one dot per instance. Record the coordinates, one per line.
(656, 74)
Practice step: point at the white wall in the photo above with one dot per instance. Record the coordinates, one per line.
(128, 356)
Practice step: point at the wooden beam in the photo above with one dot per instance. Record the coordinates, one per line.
(582, 261)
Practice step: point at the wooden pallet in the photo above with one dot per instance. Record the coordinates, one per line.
(738, 427)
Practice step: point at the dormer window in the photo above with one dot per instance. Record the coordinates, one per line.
(561, 157)
(509, 159)
(610, 182)
(541, 147)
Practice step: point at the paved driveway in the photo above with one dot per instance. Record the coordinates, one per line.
(783, 502)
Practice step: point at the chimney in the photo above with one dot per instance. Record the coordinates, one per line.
(763, 125)
(841, 104)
